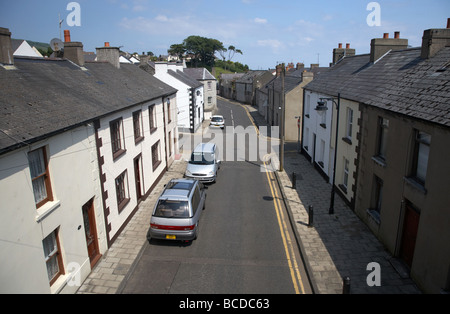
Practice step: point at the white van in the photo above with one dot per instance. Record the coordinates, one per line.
(203, 164)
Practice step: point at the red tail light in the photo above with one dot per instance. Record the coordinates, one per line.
(176, 228)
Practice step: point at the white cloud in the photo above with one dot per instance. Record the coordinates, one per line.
(260, 21)
(273, 44)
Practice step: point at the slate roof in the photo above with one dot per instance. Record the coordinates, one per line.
(179, 75)
(43, 97)
(200, 74)
(250, 76)
(401, 82)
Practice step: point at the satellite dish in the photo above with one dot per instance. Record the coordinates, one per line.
(56, 44)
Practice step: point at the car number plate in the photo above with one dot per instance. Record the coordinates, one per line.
(170, 236)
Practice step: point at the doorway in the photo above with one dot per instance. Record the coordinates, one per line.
(90, 230)
(409, 235)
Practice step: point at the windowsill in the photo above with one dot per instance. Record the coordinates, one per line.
(138, 139)
(46, 210)
(320, 163)
(347, 139)
(307, 115)
(374, 214)
(153, 130)
(379, 161)
(123, 204)
(411, 181)
(343, 188)
(119, 153)
(323, 125)
(156, 165)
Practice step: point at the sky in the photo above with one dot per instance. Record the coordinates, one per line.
(268, 32)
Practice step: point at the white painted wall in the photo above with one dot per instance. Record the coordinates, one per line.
(74, 178)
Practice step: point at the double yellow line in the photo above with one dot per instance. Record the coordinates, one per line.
(287, 242)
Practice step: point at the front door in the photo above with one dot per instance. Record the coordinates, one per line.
(91, 232)
(410, 228)
(137, 176)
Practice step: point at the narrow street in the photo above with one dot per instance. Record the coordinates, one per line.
(245, 244)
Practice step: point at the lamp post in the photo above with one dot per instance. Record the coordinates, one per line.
(322, 107)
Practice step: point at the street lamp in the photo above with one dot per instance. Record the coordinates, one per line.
(321, 108)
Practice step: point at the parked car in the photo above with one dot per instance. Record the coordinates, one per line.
(177, 212)
(203, 164)
(217, 121)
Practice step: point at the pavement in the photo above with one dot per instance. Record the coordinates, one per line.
(334, 248)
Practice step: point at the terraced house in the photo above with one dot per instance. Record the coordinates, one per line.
(80, 145)
(393, 143)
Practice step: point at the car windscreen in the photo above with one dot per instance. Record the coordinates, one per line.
(202, 158)
(217, 119)
(172, 209)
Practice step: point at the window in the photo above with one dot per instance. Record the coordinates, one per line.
(321, 153)
(307, 107)
(306, 139)
(137, 125)
(209, 85)
(156, 158)
(195, 200)
(169, 114)
(421, 153)
(117, 138)
(349, 127)
(210, 100)
(377, 198)
(40, 176)
(383, 128)
(122, 192)
(345, 177)
(53, 258)
(152, 118)
(170, 143)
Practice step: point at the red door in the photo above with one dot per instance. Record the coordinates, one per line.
(91, 232)
(410, 228)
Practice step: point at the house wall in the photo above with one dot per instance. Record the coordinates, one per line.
(429, 268)
(112, 168)
(73, 171)
(348, 147)
(316, 139)
(210, 92)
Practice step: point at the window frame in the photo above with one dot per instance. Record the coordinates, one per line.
(152, 118)
(156, 150)
(117, 137)
(54, 254)
(45, 175)
(382, 135)
(122, 190)
(416, 156)
(138, 126)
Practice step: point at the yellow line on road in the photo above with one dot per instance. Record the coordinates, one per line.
(288, 245)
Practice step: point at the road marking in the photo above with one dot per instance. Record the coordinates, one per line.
(288, 245)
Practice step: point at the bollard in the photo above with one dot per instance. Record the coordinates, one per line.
(294, 180)
(310, 216)
(346, 285)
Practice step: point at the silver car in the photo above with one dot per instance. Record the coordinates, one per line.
(177, 212)
(217, 121)
(203, 164)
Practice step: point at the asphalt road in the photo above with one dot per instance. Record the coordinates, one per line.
(245, 245)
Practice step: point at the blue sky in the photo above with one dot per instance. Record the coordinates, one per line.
(267, 31)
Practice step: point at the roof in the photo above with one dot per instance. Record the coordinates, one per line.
(179, 75)
(43, 97)
(200, 74)
(250, 76)
(401, 82)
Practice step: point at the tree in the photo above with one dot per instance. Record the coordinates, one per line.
(177, 50)
(232, 51)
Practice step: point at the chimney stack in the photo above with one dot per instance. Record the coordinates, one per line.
(109, 54)
(6, 52)
(279, 69)
(339, 53)
(434, 40)
(380, 46)
(73, 50)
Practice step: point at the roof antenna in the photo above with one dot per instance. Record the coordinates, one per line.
(60, 22)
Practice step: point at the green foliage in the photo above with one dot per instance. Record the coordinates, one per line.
(232, 67)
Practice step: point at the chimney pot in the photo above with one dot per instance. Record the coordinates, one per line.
(106, 44)
(397, 35)
(386, 35)
(67, 36)
(347, 46)
(448, 22)
(340, 45)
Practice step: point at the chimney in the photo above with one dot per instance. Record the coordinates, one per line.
(279, 69)
(6, 52)
(339, 53)
(380, 46)
(434, 40)
(300, 66)
(109, 54)
(73, 50)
